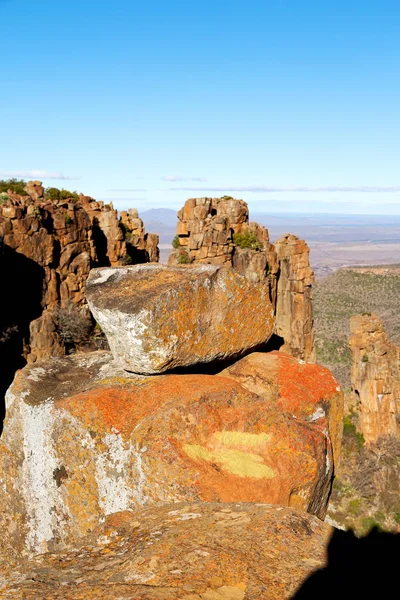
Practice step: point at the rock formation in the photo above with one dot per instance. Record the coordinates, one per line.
(196, 551)
(83, 439)
(48, 247)
(218, 231)
(157, 318)
(375, 378)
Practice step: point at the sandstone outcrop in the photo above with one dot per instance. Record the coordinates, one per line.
(304, 390)
(48, 248)
(200, 551)
(375, 378)
(218, 231)
(83, 439)
(157, 318)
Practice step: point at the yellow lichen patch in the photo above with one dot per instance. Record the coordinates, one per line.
(236, 462)
(233, 439)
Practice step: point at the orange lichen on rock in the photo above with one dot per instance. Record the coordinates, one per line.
(68, 459)
(305, 390)
(157, 318)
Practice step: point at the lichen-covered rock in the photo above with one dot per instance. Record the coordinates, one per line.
(157, 318)
(83, 440)
(375, 377)
(304, 390)
(201, 551)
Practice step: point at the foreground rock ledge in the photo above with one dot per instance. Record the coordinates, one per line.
(200, 551)
(157, 318)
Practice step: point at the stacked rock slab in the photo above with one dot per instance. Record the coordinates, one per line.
(375, 378)
(57, 242)
(205, 234)
(157, 318)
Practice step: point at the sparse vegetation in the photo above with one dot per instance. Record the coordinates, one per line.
(68, 219)
(175, 242)
(53, 193)
(345, 293)
(247, 239)
(74, 325)
(184, 258)
(13, 184)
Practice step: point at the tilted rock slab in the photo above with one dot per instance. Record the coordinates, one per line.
(201, 551)
(304, 390)
(157, 318)
(82, 441)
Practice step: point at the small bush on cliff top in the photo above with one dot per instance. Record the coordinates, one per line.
(53, 193)
(175, 242)
(248, 239)
(13, 184)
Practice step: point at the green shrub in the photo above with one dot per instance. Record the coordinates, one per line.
(68, 219)
(175, 242)
(126, 260)
(397, 517)
(355, 506)
(248, 239)
(53, 193)
(3, 197)
(349, 430)
(13, 184)
(365, 358)
(369, 523)
(184, 259)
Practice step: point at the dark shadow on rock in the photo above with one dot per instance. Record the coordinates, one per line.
(216, 366)
(20, 303)
(101, 244)
(357, 568)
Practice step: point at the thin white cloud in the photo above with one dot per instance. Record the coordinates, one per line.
(180, 178)
(36, 174)
(259, 189)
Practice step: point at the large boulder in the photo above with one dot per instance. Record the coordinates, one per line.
(157, 318)
(83, 440)
(305, 390)
(202, 551)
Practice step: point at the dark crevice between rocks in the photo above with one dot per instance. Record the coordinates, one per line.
(216, 366)
(101, 244)
(20, 303)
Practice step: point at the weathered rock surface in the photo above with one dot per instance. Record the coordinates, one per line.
(304, 390)
(83, 440)
(294, 311)
(205, 234)
(375, 378)
(202, 551)
(52, 245)
(157, 318)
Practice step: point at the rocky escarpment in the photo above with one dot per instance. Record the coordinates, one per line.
(375, 378)
(48, 247)
(218, 231)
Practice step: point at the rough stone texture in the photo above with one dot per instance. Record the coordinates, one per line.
(304, 390)
(205, 232)
(201, 551)
(56, 243)
(294, 311)
(144, 246)
(157, 318)
(375, 378)
(83, 440)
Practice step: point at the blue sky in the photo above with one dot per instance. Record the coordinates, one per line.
(292, 105)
